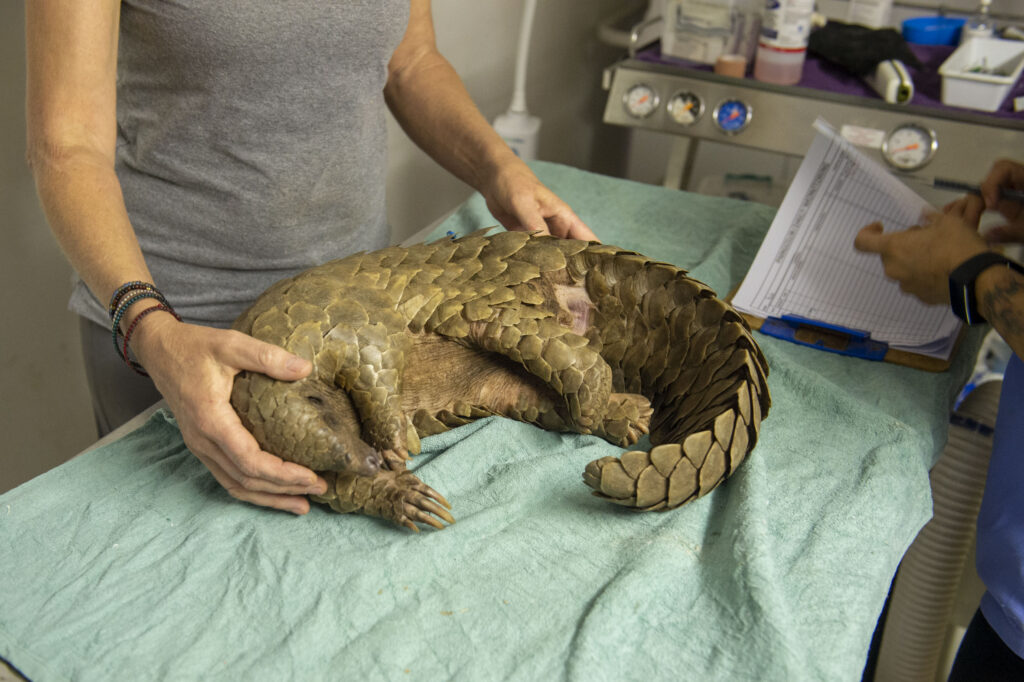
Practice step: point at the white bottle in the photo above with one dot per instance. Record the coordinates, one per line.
(980, 24)
(782, 48)
(870, 13)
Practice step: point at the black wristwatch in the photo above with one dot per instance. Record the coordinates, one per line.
(961, 283)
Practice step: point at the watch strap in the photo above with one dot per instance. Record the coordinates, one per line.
(962, 280)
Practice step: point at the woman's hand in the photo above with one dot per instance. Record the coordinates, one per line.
(194, 367)
(431, 104)
(519, 201)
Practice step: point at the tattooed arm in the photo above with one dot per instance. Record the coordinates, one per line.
(1000, 294)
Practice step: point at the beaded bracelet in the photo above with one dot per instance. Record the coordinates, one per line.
(122, 308)
(131, 329)
(124, 289)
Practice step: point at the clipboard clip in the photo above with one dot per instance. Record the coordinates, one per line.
(823, 336)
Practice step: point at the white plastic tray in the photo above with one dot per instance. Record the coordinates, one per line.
(980, 73)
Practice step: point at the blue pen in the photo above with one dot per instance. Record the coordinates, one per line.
(956, 186)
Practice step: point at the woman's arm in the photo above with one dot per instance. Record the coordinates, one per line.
(71, 104)
(71, 99)
(430, 102)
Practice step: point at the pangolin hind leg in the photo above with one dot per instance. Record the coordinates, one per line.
(447, 384)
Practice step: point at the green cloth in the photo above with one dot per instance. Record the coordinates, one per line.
(130, 562)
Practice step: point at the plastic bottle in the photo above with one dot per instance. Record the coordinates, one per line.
(980, 24)
(782, 48)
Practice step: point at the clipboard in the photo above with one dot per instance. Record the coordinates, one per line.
(842, 341)
(807, 270)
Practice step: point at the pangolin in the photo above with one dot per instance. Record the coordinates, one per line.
(567, 335)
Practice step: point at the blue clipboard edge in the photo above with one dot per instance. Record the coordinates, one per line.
(892, 355)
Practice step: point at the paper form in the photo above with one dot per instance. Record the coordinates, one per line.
(807, 265)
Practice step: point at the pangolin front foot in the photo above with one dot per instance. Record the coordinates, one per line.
(398, 496)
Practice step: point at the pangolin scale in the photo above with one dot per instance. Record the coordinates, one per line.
(564, 334)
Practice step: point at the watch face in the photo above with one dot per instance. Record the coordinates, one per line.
(962, 294)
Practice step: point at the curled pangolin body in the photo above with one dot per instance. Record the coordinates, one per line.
(564, 334)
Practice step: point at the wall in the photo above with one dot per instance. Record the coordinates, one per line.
(44, 409)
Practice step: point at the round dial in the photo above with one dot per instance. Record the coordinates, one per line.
(641, 100)
(909, 146)
(685, 108)
(732, 115)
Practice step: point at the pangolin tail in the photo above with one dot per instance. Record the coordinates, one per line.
(668, 337)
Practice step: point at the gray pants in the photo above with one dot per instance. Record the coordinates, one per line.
(118, 393)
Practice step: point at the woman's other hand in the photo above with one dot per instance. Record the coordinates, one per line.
(194, 368)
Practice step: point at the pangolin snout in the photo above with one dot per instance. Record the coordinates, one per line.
(362, 460)
(370, 465)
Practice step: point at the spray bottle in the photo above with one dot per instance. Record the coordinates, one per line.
(516, 126)
(980, 25)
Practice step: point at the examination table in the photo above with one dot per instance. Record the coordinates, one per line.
(129, 561)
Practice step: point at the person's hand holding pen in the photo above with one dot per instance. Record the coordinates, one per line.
(1002, 191)
(945, 260)
(1005, 174)
(921, 258)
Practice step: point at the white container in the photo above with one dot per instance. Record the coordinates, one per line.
(870, 13)
(981, 72)
(782, 48)
(705, 30)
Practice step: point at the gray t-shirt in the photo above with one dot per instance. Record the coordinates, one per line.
(251, 142)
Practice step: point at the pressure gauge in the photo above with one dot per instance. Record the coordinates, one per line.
(641, 100)
(909, 146)
(732, 116)
(685, 108)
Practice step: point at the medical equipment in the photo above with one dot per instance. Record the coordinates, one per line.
(953, 143)
(516, 126)
(909, 146)
(892, 81)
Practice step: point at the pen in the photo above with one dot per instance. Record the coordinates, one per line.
(955, 186)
